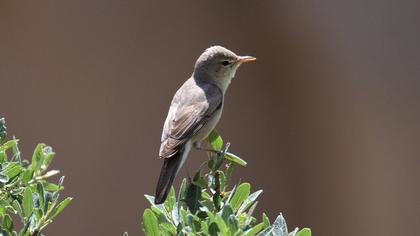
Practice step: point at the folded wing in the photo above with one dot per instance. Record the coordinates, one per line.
(191, 108)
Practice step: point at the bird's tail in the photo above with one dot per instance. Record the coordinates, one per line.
(169, 169)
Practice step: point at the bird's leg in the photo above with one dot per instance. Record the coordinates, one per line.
(198, 145)
(186, 170)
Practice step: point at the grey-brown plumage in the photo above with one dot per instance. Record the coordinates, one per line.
(195, 110)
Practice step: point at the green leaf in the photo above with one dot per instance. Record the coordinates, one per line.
(182, 194)
(199, 180)
(3, 132)
(4, 178)
(215, 141)
(241, 193)
(250, 218)
(32, 224)
(294, 232)
(210, 164)
(226, 212)
(216, 195)
(193, 194)
(150, 223)
(266, 232)
(47, 160)
(40, 191)
(221, 224)
(183, 214)
(10, 144)
(265, 220)
(27, 176)
(170, 200)
(254, 230)
(213, 229)
(168, 228)
(279, 226)
(60, 207)
(36, 200)
(37, 157)
(304, 232)
(17, 208)
(52, 187)
(218, 161)
(232, 224)
(204, 226)
(234, 158)
(160, 209)
(28, 202)
(4, 232)
(3, 156)
(7, 222)
(249, 201)
(222, 179)
(12, 169)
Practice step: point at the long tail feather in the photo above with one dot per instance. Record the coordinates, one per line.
(167, 175)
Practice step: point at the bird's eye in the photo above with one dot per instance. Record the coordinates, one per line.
(225, 63)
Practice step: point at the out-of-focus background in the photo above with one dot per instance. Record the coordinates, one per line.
(328, 117)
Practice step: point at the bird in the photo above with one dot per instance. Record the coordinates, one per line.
(195, 110)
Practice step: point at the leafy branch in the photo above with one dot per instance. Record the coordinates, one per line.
(207, 205)
(24, 189)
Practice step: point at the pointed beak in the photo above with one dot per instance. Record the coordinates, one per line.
(243, 59)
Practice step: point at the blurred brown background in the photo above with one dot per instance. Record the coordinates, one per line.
(328, 117)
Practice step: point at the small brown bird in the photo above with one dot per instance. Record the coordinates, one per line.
(195, 110)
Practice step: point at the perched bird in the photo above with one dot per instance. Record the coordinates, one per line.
(195, 110)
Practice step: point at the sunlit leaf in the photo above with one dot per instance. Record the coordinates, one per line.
(304, 232)
(221, 225)
(254, 230)
(241, 193)
(12, 169)
(60, 207)
(234, 158)
(52, 187)
(37, 157)
(27, 202)
(265, 220)
(280, 227)
(150, 223)
(249, 201)
(170, 200)
(4, 178)
(232, 224)
(9, 144)
(294, 232)
(215, 140)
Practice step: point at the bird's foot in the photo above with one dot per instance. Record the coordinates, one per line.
(220, 153)
(199, 146)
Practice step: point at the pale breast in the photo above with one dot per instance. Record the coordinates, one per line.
(209, 126)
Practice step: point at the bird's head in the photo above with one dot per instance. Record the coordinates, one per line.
(219, 64)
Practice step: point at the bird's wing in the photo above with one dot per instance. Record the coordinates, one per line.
(190, 110)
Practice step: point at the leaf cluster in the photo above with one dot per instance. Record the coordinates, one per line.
(207, 205)
(25, 193)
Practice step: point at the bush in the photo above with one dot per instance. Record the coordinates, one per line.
(25, 191)
(206, 205)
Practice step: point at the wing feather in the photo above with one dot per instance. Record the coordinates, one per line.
(191, 108)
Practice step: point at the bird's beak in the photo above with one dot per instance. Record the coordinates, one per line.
(243, 59)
